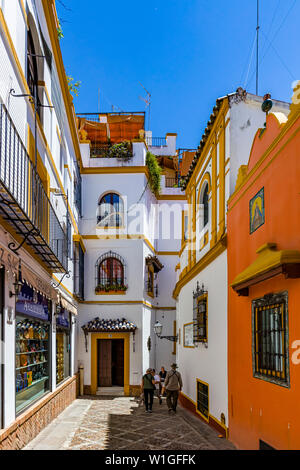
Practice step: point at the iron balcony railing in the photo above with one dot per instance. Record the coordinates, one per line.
(156, 141)
(172, 182)
(24, 202)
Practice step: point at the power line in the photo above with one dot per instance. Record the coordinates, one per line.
(281, 60)
(271, 24)
(249, 60)
(274, 37)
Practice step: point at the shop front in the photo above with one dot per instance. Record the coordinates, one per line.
(33, 347)
(63, 345)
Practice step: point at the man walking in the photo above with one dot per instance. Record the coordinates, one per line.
(148, 387)
(173, 384)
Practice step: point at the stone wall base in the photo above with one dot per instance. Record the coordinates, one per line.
(30, 423)
(188, 404)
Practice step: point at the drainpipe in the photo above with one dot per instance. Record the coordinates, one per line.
(81, 374)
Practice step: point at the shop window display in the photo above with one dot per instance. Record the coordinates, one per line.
(32, 347)
(63, 346)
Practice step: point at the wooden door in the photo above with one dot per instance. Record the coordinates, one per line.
(104, 363)
(119, 359)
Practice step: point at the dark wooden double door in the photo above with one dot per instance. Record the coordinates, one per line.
(110, 362)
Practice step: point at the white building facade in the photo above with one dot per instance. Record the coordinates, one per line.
(201, 289)
(39, 216)
(132, 244)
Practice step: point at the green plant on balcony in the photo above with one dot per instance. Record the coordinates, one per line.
(154, 173)
(73, 86)
(123, 151)
(111, 288)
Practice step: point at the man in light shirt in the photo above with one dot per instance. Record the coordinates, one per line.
(157, 385)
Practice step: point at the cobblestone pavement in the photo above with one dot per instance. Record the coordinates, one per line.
(120, 423)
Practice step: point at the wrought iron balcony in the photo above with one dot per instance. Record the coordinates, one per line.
(156, 141)
(24, 203)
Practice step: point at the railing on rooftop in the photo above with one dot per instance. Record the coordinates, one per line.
(156, 141)
(172, 182)
(24, 203)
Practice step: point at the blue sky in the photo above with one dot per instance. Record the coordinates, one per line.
(185, 52)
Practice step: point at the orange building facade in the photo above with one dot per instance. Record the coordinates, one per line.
(264, 289)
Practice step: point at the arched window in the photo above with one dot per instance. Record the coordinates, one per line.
(204, 201)
(110, 272)
(110, 211)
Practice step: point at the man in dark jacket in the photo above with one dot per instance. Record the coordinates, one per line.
(173, 385)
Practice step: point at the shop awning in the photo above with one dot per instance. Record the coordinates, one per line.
(38, 284)
(68, 306)
(99, 325)
(9, 260)
(269, 263)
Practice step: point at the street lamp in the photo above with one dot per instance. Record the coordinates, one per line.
(158, 331)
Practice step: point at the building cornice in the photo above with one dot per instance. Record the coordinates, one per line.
(212, 254)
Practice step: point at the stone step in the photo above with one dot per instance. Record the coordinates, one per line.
(110, 391)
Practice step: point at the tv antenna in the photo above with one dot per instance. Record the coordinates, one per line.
(147, 101)
(257, 47)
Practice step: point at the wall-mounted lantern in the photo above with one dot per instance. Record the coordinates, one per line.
(158, 331)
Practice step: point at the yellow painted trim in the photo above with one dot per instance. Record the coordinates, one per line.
(94, 358)
(115, 170)
(58, 133)
(222, 156)
(214, 198)
(177, 267)
(268, 258)
(220, 424)
(190, 399)
(208, 258)
(209, 143)
(167, 253)
(199, 412)
(121, 237)
(67, 168)
(23, 11)
(49, 11)
(16, 62)
(184, 325)
(206, 178)
(42, 84)
(78, 238)
(125, 302)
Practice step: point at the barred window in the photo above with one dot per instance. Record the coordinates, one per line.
(202, 399)
(270, 330)
(110, 272)
(200, 315)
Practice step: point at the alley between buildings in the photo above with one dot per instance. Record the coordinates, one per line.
(120, 423)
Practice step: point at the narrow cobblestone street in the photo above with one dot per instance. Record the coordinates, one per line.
(120, 423)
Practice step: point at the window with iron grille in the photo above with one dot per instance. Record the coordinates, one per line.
(78, 271)
(200, 315)
(77, 189)
(32, 72)
(69, 237)
(110, 273)
(203, 399)
(270, 338)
